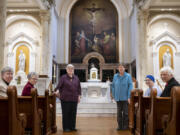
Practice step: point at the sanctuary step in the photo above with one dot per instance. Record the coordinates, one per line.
(93, 109)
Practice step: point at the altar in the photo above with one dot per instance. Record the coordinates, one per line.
(95, 92)
(95, 100)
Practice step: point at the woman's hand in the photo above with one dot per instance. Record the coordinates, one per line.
(57, 93)
(79, 98)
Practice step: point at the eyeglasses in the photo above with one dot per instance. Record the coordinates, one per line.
(147, 80)
(35, 79)
(165, 74)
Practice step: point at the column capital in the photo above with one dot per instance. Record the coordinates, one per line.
(143, 15)
(44, 15)
(143, 4)
(48, 3)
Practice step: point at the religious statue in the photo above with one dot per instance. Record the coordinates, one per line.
(22, 59)
(167, 59)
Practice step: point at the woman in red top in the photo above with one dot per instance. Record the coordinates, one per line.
(32, 80)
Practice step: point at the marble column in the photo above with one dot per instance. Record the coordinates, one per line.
(2, 29)
(46, 59)
(142, 61)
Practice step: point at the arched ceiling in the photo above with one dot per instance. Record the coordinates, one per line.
(60, 4)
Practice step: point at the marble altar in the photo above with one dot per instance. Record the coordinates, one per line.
(95, 100)
(95, 92)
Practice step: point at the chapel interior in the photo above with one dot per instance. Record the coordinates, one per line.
(89, 34)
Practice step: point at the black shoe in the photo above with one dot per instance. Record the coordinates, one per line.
(118, 129)
(125, 128)
(74, 129)
(67, 130)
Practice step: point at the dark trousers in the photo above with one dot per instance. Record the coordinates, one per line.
(122, 114)
(69, 110)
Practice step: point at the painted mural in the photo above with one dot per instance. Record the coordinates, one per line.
(93, 28)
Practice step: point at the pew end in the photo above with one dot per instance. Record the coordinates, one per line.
(172, 121)
(133, 101)
(12, 122)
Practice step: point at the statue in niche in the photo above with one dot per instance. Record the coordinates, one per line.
(167, 59)
(22, 59)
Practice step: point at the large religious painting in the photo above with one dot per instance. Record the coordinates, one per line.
(93, 28)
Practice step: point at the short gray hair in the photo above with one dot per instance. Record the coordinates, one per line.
(70, 65)
(6, 69)
(168, 70)
(29, 76)
(121, 64)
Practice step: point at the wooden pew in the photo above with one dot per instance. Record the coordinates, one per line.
(159, 106)
(43, 103)
(173, 121)
(49, 113)
(143, 105)
(28, 105)
(11, 121)
(131, 110)
(52, 100)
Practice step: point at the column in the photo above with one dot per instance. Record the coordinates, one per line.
(46, 58)
(100, 72)
(87, 74)
(142, 61)
(2, 29)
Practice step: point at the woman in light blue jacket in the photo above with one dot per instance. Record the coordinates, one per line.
(121, 90)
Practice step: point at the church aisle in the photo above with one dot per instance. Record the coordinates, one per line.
(93, 126)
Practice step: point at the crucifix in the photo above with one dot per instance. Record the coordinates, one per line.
(92, 12)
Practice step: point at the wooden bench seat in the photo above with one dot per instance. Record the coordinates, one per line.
(159, 106)
(143, 105)
(49, 113)
(29, 106)
(11, 121)
(52, 100)
(171, 125)
(131, 110)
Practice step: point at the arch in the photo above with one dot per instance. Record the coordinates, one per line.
(166, 16)
(14, 18)
(18, 44)
(93, 55)
(169, 43)
(91, 23)
(14, 43)
(167, 40)
(22, 37)
(64, 13)
(165, 37)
